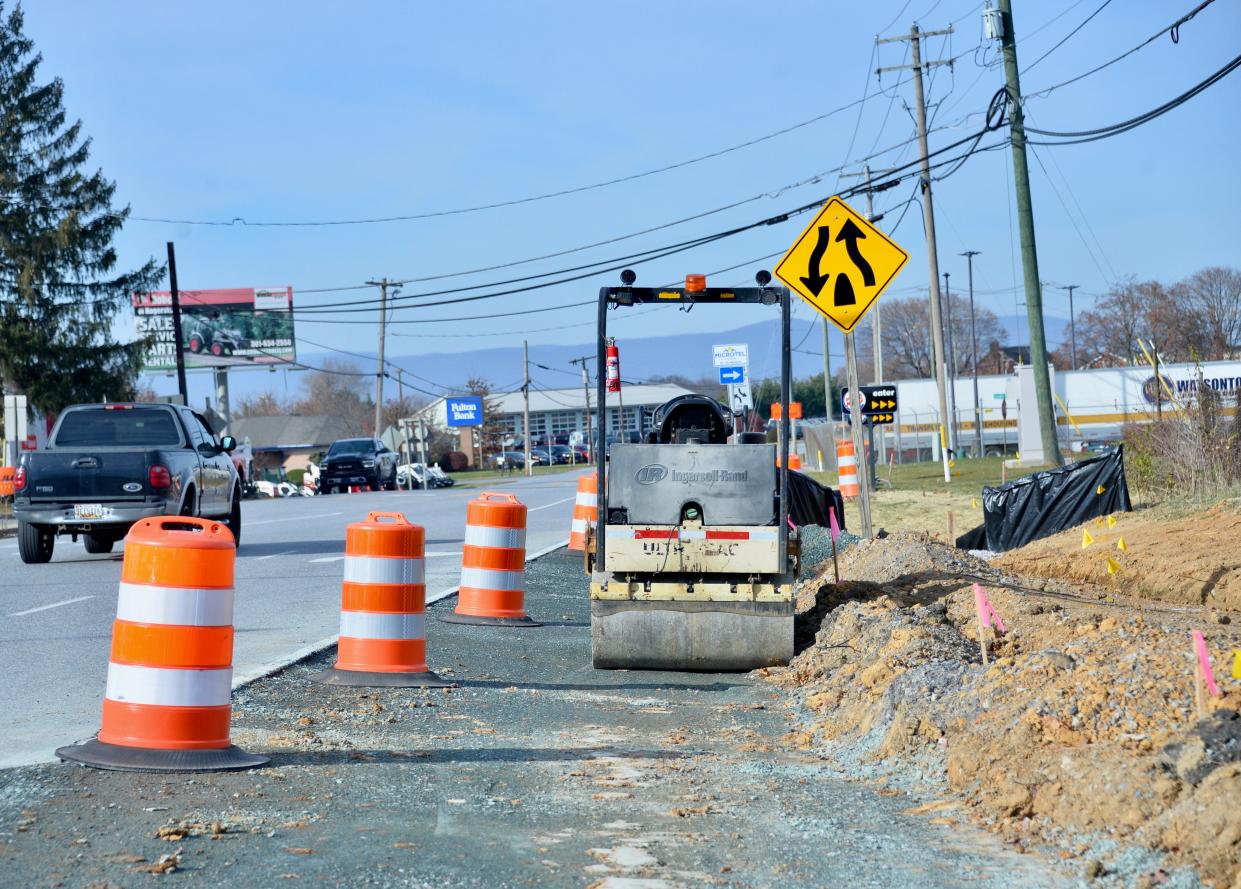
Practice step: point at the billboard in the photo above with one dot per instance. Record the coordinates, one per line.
(219, 328)
(464, 410)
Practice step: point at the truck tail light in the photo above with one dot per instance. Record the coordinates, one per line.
(19, 479)
(160, 477)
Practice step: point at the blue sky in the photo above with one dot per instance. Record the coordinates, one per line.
(314, 111)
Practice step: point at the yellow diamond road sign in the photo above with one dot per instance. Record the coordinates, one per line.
(840, 264)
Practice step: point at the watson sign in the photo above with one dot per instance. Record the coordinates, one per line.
(465, 410)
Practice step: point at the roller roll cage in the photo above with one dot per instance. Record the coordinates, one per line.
(628, 295)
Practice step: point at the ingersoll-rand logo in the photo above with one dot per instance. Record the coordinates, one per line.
(651, 473)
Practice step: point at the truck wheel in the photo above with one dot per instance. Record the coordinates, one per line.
(97, 544)
(217, 350)
(234, 518)
(35, 543)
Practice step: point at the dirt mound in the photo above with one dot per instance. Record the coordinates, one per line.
(1083, 728)
(1192, 560)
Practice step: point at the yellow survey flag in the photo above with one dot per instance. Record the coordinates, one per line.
(973, 503)
(1111, 521)
(1112, 566)
(1121, 545)
(1100, 489)
(1086, 538)
(1236, 664)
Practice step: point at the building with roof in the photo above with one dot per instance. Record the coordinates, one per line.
(289, 442)
(558, 413)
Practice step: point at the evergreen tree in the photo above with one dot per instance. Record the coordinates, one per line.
(59, 286)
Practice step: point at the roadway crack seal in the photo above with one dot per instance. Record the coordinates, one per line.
(308, 651)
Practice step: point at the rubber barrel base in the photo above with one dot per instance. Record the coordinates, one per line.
(360, 679)
(113, 757)
(475, 620)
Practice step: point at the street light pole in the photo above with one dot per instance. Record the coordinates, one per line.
(1072, 324)
(952, 368)
(978, 451)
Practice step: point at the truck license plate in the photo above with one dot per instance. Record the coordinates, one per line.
(91, 511)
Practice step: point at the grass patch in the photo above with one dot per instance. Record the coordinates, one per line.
(487, 476)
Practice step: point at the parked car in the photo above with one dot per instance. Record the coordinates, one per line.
(415, 475)
(581, 453)
(540, 457)
(509, 459)
(361, 462)
(561, 453)
(106, 466)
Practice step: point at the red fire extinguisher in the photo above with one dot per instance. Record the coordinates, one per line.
(614, 383)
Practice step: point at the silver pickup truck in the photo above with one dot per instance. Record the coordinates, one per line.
(108, 465)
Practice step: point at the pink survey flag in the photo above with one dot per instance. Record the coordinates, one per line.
(1204, 659)
(831, 517)
(987, 615)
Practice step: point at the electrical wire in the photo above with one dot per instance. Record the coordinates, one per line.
(1076, 137)
(1066, 37)
(1173, 29)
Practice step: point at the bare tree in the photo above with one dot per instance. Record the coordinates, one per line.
(265, 404)
(906, 334)
(340, 389)
(1215, 294)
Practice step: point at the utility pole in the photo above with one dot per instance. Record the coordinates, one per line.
(176, 322)
(915, 37)
(953, 431)
(525, 411)
(1029, 251)
(978, 451)
(1072, 323)
(586, 391)
(382, 284)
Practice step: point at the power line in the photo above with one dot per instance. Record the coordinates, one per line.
(1075, 137)
(1067, 36)
(1173, 29)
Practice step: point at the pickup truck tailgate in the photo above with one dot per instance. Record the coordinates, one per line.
(97, 475)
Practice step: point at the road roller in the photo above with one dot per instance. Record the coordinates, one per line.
(693, 560)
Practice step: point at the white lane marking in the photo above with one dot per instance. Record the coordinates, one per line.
(273, 555)
(299, 518)
(46, 607)
(327, 559)
(550, 505)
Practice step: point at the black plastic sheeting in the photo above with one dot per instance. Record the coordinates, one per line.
(809, 500)
(1045, 503)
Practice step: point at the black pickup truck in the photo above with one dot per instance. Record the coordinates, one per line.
(108, 465)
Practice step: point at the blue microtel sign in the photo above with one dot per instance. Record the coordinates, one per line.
(465, 411)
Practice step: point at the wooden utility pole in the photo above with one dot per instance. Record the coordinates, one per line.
(915, 37)
(178, 346)
(1072, 323)
(1029, 251)
(586, 391)
(382, 284)
(525, 411)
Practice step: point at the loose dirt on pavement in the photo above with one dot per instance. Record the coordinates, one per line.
(1082, 733)
(536, 771)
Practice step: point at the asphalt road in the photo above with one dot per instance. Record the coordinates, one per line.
(57, 618)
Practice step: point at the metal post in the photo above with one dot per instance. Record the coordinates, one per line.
(525, 411)
(422, 451)
(855, 423)
(827, 373)
(978, 442)
(176, 323)
(953, 432)
(1072, 324)
(1029, 251)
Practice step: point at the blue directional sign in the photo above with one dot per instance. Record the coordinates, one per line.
(732, 375)
(464, 410)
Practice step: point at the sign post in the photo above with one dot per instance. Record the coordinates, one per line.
(843, 247)
(732, 360)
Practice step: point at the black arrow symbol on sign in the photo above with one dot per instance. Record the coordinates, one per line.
(815, 280)
(851, 234)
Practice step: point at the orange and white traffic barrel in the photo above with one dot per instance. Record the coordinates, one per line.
(383, 622)
(846, 464)
(585, 509)
(493, 564)
(168, 701)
